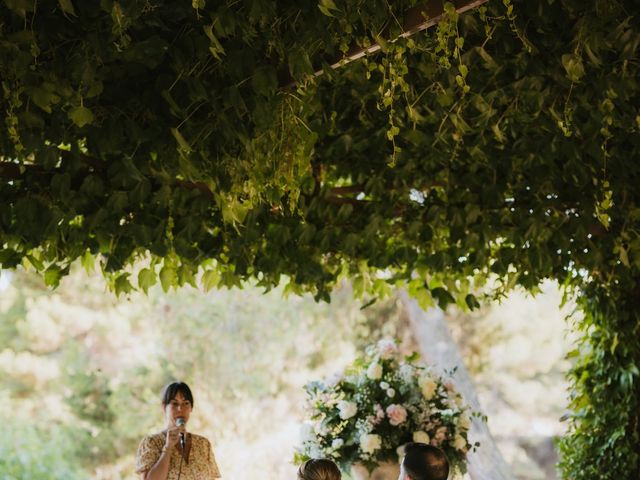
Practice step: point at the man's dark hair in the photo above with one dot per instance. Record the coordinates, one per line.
(170, 391)
(425, 462)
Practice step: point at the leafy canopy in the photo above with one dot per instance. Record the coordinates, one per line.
(196, 138)
(496, 143)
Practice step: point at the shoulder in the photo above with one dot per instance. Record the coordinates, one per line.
(149, 450)
(153, 439)
(201, 442)
(199, 438)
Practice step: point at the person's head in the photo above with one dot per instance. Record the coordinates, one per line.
(423, 462)
(319, 469)
(177, 401)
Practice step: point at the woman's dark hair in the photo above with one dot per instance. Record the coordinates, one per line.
(425, 462)
(170, 391)
(319, 469)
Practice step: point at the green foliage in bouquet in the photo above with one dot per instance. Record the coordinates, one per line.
(380, 403)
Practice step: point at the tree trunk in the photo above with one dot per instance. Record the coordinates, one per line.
(436, 345)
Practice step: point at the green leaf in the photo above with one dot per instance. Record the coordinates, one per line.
(168, 278)
(67, 7)
(81, 116)
(20, 6)
(216, 47)
(88, 261)
(443, 297)
(35, 262)
(210, 279)
(52, 276)
(185, 276)
(326, 7)
(182, 143)
(146, 279)
(43, 98)
(472, 302)
(122, 284)
(299, 63)
(572, 64)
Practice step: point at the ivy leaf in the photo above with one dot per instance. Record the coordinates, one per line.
(299, 63)
(122, 284)
(43, 98)
(185, 276)
(52, 276)
(168, 278)
(81, 116)
(210, 279)
(443, 297)
(88, 261)
(326, 6)
(472, 302)
(146, 279)
(35, 262)
(19, 6)
(216, 47)
(573, 66)
(182, 143)
(67, 7)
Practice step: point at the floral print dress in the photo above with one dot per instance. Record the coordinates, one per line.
(201, 464)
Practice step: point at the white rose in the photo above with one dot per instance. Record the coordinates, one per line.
(464, 421)
(428, 386)
(387, 348)
(374, 372)
(337, 443)
(370, 442)
(421, 437)
(406, 372)
(384, 385)
(459, 443)
(391, 393)
(347, 409)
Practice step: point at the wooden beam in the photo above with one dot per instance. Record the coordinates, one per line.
(416, 19)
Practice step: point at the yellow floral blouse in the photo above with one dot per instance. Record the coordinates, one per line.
(201, 464)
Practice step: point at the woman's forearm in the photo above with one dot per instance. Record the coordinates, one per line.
(160, 469)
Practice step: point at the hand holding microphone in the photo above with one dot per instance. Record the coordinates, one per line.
(180, 423)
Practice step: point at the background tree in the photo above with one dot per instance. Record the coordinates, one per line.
(80, 372)
(502, 142)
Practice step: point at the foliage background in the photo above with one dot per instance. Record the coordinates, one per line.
(80, 372)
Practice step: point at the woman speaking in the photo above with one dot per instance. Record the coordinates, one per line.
(175, 454)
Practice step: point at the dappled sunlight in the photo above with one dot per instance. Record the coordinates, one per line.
(87, 369)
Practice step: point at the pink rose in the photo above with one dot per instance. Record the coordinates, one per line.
(441, 434)
(387, 349)
(397, 414)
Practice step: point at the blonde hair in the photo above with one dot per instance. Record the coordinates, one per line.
(319, 469)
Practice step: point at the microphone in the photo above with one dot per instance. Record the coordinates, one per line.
(180, 422)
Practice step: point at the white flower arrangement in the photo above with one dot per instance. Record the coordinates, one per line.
(377, 405)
